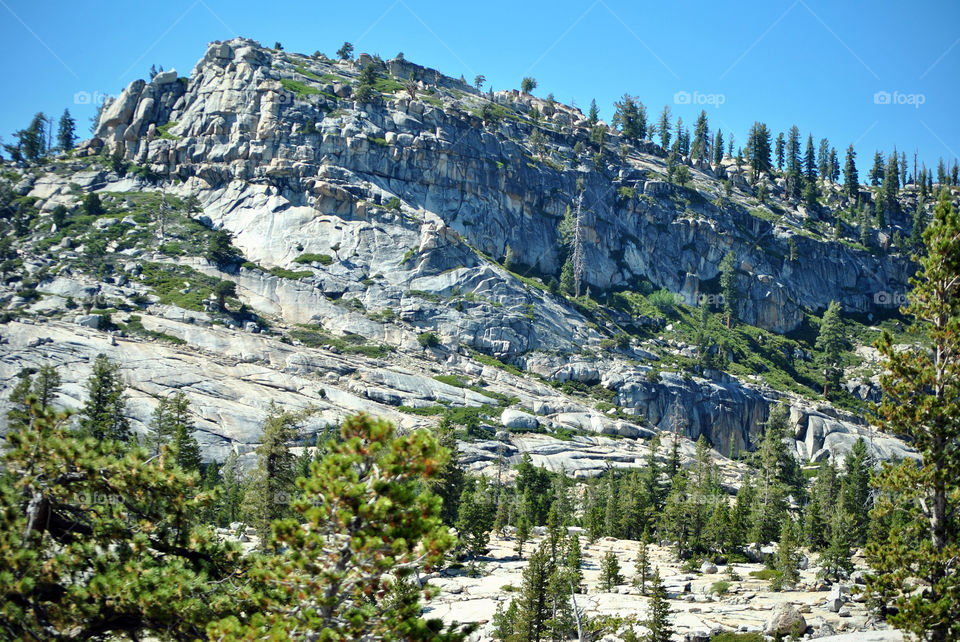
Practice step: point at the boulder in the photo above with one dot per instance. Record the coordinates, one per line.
(708, 568)
(517, 419)
(784, 620)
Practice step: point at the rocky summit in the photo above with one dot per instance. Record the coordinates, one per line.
(398, 247)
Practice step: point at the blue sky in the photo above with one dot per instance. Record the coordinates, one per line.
(816, 64)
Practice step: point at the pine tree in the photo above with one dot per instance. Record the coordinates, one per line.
(272, 483)
(574, 561)
(876, 172)
(345, 52)
(364, 514)
(532, 611)
(101, 541)
(231, 502)
(834, 166)
(794, 174)
(855, 491)
(835, 560)
(523, 532)
(594, 116)
(700, 148)
(810, 161)
(448, 482)
(658, 614)
(475, 519)
(718, 149)
(32, 138)
(728, 287)
(922, 388)
(831, 342)
(787, 557)
(610, 571)
(777, 468)
(663, 128)
(630, 116)
(104, 414)
(823, 159)
(891, 184)
(641, 564)
(851, 182)
(779, 150)
(65, 131)
(758, 150)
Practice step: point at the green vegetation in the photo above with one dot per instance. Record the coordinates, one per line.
(322, 259)
(163, 131)
(285, 273)
(315, 336)
(298, 88)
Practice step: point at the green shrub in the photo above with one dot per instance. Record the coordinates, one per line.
(428, 339)
(664, 300)
(720, 587)
(284, 273)
(322, 259)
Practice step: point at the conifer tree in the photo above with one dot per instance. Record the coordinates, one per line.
(831, 342)
(271, 486)
(718, 149)
(363, 514)
(104, 414)
(65, 131)
(787, 557)
(700, 147)
(851, 182)
(101, 541)
(779, 150)
(641, 564)
(823, 159)
(922, 388)
(593, 116)
(658, 614)
(855, 491)
(630, 116)
(663, 128)
(876, 172)
(475, 518)
(728, 287)
(523, 532)
(610, 571)
(574, 561)
(532, 611)
(835, 560)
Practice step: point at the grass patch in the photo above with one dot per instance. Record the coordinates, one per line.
(766, 574)
(315, 337)
(299, 89)
(163, 131)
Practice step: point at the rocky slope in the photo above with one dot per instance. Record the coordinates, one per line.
(365, 227)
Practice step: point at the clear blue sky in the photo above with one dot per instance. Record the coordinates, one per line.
(816, 64)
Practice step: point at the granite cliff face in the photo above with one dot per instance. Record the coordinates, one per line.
(264, 133)
(390, 220)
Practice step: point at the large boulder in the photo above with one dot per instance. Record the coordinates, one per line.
(784, 620)
(517, 419)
